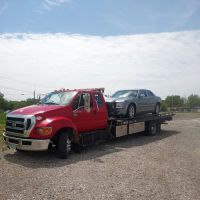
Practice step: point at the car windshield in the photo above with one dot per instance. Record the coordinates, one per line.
(58, 98)
(125, 93)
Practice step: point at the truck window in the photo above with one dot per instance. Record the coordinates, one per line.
(79, 102)
(98, 100)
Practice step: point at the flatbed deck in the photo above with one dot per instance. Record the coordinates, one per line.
(142, 118)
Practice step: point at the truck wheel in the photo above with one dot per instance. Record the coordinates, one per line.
(63, 145)
(131, 111)
(76, 148)
(157, 109)
(152, 128)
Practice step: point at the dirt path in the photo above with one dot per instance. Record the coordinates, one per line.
(166, 166)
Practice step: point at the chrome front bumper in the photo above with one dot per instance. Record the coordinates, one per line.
(26, 144)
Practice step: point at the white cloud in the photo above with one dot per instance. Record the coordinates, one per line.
(167, 63)
(48, 5)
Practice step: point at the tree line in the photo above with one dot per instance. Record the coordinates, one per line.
(12, 105)
(173, 101)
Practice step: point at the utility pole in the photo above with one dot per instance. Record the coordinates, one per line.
(34, 95)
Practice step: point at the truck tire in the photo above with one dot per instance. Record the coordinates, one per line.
(63, 145)
(157, 109)
(152, 128)
(131, 111)
(76, 148)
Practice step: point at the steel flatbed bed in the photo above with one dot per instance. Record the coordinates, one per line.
(118, 127)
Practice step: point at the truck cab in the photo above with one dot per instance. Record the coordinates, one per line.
(59, 119)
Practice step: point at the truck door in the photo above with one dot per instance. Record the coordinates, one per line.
(101, 111)
(84, 119)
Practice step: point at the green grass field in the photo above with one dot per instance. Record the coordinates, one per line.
(2, 125)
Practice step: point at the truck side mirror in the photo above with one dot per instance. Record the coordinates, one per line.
(87, 102)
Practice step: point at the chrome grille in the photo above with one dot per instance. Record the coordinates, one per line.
(15, 125)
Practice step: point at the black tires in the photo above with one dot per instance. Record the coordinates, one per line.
(157, 109)
(76, 148)
(131, 111)
(152, 128)
(64, 145)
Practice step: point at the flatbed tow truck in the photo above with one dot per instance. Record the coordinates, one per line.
(69, 119)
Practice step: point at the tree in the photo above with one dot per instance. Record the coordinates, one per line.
(174, 101)
(2, 101)
(193, 101)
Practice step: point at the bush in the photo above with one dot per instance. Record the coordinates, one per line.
(164, 106)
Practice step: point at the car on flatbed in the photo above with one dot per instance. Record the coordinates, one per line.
(132, 102)
(69, 119)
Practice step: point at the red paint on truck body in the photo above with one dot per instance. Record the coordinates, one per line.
(59, 117)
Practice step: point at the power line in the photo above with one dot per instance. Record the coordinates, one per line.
(25, 82)
(9, 88)
(16, 94)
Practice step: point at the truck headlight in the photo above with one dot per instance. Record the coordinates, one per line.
(44, 130)
(119, 104)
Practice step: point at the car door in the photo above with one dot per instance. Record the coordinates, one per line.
(142, 103)
(151, 100)
(84, 119)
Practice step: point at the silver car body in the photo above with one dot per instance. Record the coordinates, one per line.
(143, 100)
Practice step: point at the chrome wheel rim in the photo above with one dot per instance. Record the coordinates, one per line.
(131, 111)
(153, 128)
(68, 145)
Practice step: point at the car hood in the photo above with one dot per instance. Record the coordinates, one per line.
(116, 99)
(35, 109)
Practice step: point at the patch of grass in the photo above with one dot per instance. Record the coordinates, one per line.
(2, 125)
(186, 115)
(2, 118)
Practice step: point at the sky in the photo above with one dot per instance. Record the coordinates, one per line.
(116, 44)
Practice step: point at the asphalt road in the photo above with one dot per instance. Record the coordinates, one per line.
(166, 166)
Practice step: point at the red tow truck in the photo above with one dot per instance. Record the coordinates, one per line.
(69, 119)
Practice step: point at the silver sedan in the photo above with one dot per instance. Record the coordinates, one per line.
(131, 102)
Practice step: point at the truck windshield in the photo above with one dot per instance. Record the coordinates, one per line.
(58, 98)
(125, 93)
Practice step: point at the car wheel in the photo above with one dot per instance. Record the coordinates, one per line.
(157, 109)
(131, 111)
(63, 145)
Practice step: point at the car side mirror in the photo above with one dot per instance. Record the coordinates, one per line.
(87, 102)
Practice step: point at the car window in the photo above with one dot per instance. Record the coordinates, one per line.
(98, 100)
(150, 94)
(143, 93)
(133, 93)
(124, 93)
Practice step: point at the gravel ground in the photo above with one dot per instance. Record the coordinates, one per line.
(166, 166)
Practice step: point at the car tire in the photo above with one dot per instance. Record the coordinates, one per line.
(131, 111)
(157, 109)
(63, 145)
